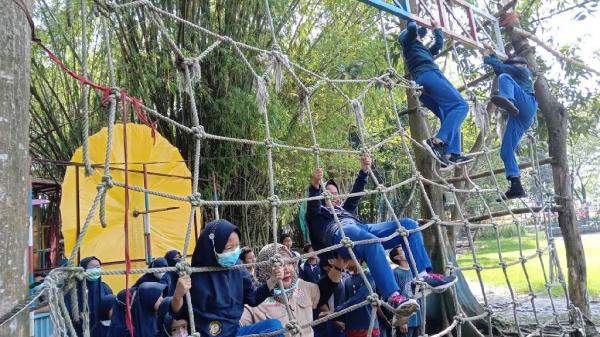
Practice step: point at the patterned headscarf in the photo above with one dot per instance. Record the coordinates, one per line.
(263, 271)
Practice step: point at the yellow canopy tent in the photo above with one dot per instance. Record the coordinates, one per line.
(165, 172)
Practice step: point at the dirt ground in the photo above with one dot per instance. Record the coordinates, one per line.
(500, 301)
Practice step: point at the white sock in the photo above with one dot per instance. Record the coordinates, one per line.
(423, 273)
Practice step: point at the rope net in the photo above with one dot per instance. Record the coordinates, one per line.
(275, 66)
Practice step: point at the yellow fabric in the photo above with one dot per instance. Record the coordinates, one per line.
(167, 227)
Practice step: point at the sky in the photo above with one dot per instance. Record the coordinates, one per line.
(568, 31)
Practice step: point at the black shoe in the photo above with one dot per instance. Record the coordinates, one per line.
(514, 191)
(458, 159)
(505, 104)
(437, 150)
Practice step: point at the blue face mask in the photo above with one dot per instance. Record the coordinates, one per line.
(96, 274)
(278, 292)
(229, 259)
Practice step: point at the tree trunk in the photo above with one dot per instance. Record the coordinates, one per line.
(15, 59)
(557, 118)
(441, 309)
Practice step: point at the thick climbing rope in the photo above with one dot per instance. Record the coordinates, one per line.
(63, 279)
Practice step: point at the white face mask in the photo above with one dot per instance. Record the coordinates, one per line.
(159, 275)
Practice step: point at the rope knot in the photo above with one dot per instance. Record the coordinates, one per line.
(450, 267)
(532, 296)
(364, 151)
(503, 264)
(477, 267)
(183, 268)
(346, 242)
(196, 199)
(402, 231)
(522, 259)
(274, 200)
(540, 252)
(327, 195)
(374, 300)
(199, 132)
(115, 91)
(380, 188)
(276, 260)
(269, 143)
(110, 5)
(226, 39)
(459, 319)
(316, 149)
(107, 181)
(436, 218)
(293, 327)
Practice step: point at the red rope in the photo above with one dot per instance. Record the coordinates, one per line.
(128, 320)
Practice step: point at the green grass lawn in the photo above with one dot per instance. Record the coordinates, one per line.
(487, 253)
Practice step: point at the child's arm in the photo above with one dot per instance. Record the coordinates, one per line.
(313, 207)
(439, 38)
(327, 285)
(498, 66)
(351, 204)
(409, 34)
(184, 284)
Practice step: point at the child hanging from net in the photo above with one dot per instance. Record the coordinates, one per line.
(325, 232)
(515, 96)
(439, 95)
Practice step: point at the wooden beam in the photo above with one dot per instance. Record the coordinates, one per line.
(496, 171)
(498, 214)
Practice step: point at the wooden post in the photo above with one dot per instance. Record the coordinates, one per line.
(15, 38)
(557, 119)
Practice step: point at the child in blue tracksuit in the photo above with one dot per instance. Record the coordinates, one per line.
(405, 278)
(515, 96)
(324, 232)
(218, 297)
(310, 270)
(357, 322)
(439, 95)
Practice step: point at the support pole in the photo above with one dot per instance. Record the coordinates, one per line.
(15, 37)
(146, 218)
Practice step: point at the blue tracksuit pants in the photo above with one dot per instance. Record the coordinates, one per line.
(374, 254)
(447, 104)
(516, 125)
(265, 326)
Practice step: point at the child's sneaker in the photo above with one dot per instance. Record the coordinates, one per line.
(505, 104)
(437, 150)
(404, 308)
(438, 282)
(459, 159)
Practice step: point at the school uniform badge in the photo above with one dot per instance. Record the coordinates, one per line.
(214, 328)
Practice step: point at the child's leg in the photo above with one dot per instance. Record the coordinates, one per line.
(506, 86)
(265, 326)
(432, 105)
(373, 255)
(451, 102)
(510, 141)
(415, 240)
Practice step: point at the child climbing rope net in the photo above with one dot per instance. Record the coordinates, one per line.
(62, 280)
